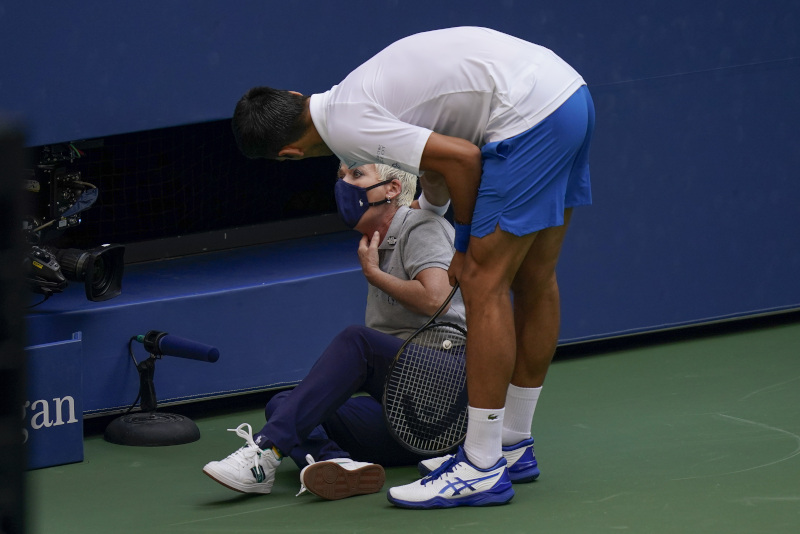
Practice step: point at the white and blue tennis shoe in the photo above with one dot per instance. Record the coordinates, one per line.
(456, 482)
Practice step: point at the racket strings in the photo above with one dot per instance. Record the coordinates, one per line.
(427, 385)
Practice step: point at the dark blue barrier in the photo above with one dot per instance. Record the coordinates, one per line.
(270, 310)
(694, 164)
(695, 214)
(91, 70)
(53, 410)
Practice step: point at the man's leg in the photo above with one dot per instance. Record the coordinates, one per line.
(537, 307)
(493, 265)
(536, 318)
(511, 344)
(477, 475)
(536, 326)
(490, 267)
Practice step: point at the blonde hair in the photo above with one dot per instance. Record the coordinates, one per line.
(408, 183)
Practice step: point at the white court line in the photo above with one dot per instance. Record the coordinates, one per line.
(233, 515)
(762, 425)
(756, 392)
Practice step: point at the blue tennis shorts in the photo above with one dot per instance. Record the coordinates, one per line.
(530, 179)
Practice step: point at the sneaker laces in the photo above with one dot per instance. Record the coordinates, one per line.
(448, 465)
(250, 452)
(311, 461)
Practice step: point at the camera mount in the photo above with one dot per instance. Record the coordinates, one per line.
(58, 196)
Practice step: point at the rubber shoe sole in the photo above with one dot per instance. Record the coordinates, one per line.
(332, 481)
(523, 476)
(235, 485)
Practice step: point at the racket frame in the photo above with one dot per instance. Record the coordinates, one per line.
(431, 322)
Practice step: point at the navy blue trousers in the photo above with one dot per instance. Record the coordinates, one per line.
(321, 417)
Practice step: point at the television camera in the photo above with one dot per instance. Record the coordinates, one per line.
(58, 197)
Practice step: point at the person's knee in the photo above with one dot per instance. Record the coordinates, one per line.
(274, 402)
(349, 347)
(481, 283)
(539, 279)
(353, 334)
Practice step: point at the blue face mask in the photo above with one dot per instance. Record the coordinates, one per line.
(352, 203)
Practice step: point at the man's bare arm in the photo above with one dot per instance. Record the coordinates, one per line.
(458, 162)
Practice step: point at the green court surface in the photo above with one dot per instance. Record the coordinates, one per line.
(678, 433)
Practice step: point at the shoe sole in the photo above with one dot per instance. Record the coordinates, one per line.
(236, 486)
(523, 475)
(332, 481)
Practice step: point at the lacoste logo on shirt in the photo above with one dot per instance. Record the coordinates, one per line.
(492, 417)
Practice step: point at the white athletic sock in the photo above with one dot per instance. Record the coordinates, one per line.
(520, 406)
(483, 445)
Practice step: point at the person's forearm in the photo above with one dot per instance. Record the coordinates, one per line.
(411, 294)
(459, 162)
(434, 188)
(463, 182)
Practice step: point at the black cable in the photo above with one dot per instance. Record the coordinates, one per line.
(136, 364)
(46, 296)
(130, 350)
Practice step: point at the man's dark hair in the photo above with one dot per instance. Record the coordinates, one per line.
(265, 120)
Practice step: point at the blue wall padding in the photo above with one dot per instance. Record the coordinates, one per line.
(695, 215)
(96, 69)
(694, 164)
(270, 310)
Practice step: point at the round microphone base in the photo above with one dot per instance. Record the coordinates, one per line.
(151, 429)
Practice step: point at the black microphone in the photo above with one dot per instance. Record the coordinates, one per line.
(164, 344)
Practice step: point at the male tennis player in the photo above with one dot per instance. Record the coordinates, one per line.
(503, 127)
(404, 255)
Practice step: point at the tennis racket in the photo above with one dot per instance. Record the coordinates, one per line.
(425, 396)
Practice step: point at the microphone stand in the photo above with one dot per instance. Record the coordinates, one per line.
(148, 427)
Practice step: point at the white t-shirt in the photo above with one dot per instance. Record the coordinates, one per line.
(474, 83)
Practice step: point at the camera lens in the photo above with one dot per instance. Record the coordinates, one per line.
(100, 269)
(73, 263)
(101, 276)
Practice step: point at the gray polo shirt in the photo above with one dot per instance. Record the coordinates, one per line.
(416, 240)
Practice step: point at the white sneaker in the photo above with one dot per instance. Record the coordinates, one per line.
(456, 483)
(249, 470)
(341, 477)
(521, 460)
